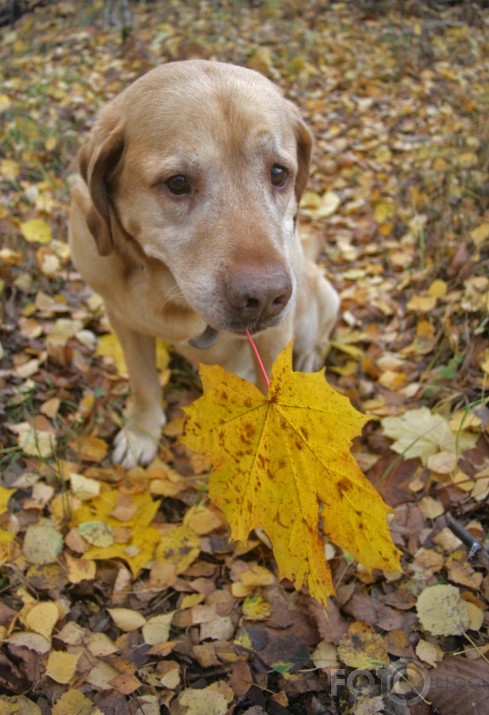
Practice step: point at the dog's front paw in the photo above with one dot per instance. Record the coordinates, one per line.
(135, 445)
(309, 362)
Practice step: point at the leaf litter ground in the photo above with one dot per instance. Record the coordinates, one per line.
(121, 592)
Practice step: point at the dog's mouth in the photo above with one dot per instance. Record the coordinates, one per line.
(209, 335)
(206, 339)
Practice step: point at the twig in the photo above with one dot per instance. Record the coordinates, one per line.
(476, 549)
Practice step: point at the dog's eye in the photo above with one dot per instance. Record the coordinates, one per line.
(178, 184)
(279, 175)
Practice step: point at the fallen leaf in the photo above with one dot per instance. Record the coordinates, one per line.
(362, 647)
(442, 462)
(429, 653)
(256, 608)
(35, 442)
(420, 433)
(42, 618)
(97, 533)
(80, 569)
(42, 543)
(126, 683)
(90, 448)
(438, 288)
(480, 234)
(100, 645)
(442, 612)
(320, 206)
(19, 704)
(170, 675)
(476, 615)
(325, 656)
(157, 629)
(277, 458)
(9, 169)
(135, 543)
(460, 686)
(127, 619)
(178, 546)
(32, 641)
(61, 666)
(202, 520)
(204, 701)
(102, 675)
(369, 705)
(74, 702)
(5, 495)
(36, 231)
(84, 488)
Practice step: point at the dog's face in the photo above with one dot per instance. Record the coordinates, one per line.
(201, 166)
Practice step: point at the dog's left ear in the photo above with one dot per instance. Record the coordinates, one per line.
(305, 143)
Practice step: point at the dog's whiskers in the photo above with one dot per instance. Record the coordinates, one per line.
(173, 293)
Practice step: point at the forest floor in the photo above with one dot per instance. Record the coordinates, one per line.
(399, 199)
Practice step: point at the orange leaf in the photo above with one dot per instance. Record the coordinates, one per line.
(90, 448)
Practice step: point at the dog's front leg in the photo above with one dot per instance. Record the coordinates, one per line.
(137, 441)
(316, 315)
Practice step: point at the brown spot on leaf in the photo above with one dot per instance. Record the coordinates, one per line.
(248, 431)
(344, 486)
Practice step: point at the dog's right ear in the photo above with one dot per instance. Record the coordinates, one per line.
(305, 142)
(98, 162)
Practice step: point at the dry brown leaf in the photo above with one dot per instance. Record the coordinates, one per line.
(429, 653)
(460, 686)
(157, 628)
(32, 641)
(126, 683)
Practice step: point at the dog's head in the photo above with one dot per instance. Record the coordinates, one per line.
(201, 165)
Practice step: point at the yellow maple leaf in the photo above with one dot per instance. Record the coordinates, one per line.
(282, 460)
(137, 552)
(138, 549)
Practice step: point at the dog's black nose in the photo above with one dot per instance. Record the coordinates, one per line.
(258, 293)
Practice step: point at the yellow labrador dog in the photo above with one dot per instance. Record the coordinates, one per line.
(184, 220)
